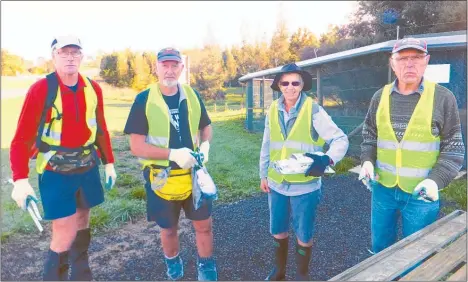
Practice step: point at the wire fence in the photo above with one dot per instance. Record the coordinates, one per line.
(347, 87)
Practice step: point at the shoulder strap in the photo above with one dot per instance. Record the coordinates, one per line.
(99, 130)
(52, 88)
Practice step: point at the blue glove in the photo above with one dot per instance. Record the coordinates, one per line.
(317, 168)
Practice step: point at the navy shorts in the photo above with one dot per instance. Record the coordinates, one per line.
(302, 209)
(61, 193)
(166, 213)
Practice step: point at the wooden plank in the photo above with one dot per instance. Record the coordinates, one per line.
(460, 275)
(375, 259)
(403, 259)
(440, 264)
(374, 262)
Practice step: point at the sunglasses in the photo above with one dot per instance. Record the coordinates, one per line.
(293, 83)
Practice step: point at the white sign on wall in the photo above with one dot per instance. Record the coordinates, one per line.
(438, 73)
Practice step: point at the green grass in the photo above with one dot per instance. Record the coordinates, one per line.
(13, 82)
(234, 90)
(345, 165)
(455, 193)
(234, 157)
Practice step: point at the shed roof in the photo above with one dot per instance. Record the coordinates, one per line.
(439, 42)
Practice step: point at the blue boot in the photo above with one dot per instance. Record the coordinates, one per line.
(175, 267)
(56, 266)
(79, 260)
(207, 269)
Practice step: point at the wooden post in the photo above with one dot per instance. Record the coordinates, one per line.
(249, 105)
(319, 91)
(262, 95)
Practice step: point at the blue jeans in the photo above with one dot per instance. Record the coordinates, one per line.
(416, 214)
(301, 208)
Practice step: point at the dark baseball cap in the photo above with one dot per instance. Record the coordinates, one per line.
(410, 43)
(169, 54)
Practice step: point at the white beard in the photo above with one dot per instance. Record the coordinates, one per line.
(169, 83)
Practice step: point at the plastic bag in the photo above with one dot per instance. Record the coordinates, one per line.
(160, 179)
(297, 164)
(203, 186)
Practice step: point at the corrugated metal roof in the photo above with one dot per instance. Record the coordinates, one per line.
(458, 40)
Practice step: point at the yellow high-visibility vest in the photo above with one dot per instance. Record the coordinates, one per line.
(408, 162)
(179, 185)
(299, 140)
(53, 137)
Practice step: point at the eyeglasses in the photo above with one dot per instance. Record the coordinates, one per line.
(74, 54)
(293, 83)
(406, 59)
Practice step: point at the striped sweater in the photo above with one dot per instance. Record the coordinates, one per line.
(445, 123)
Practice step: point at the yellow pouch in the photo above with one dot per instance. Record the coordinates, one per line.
(178, 185)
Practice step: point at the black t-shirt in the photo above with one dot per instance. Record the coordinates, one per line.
(137, 122)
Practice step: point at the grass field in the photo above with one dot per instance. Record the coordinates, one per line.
(233, 164)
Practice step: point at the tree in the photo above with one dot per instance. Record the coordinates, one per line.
(331, 36)
(230, 66)
(11, 64)
(209, 75)
(413, 17)
(279, 47)
(301, 39)
(125, 68)
(143, 76)
(109, 71)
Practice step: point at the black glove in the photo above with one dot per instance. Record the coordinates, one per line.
(317, 168)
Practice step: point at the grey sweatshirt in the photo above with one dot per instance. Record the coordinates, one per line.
(445, 123)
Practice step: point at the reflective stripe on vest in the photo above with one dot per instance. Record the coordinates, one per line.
(53, 137)
(299, 140)
(158, 117)
(408, 162)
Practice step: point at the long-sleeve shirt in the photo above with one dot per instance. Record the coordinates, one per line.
(75, 131)
(322, 125)
(445, 124)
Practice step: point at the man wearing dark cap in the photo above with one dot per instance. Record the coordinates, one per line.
(168, 122)
(62, 125)
(412, 146)
(296, 124)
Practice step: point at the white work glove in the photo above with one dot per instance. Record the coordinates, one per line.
(427, 190)
(182, 157)
(367, 173)
(21, 190)
(205, 149)
(110, 176)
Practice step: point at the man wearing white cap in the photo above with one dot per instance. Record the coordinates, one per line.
(412, 135)
(62, 126)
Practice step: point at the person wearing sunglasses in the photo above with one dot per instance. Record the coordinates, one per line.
(412, 146)
(62, 126)
(296, 124)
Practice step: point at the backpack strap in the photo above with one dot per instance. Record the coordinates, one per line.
(99, 130)
(52, 88)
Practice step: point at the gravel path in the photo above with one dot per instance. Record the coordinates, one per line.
(243, 245)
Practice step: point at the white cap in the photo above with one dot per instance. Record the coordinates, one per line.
(62, 41)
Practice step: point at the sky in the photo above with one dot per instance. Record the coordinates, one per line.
(142, 25)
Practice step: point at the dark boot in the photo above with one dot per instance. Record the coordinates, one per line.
(56, 266)
(278, 273)
(302, 262)
(79, 260)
